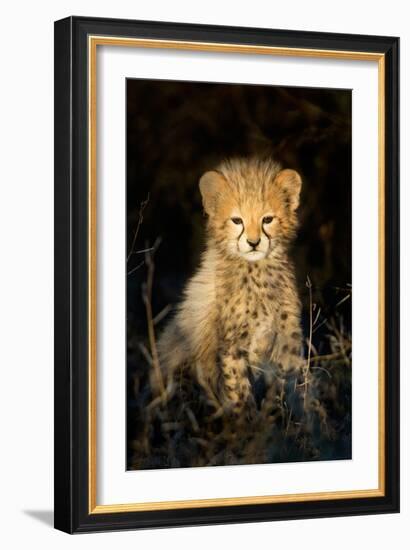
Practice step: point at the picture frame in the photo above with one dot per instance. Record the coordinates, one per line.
(77, 41)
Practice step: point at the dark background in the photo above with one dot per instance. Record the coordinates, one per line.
(178, 130)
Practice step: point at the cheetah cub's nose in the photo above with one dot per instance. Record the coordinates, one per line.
(253, 243)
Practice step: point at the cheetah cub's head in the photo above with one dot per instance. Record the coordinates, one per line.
(251, 206)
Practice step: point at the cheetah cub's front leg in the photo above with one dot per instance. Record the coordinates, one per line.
(287, 352)
(236, 388)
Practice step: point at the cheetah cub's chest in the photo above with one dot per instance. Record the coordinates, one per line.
(250, 302)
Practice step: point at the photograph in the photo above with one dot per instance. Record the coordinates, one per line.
(238, 274)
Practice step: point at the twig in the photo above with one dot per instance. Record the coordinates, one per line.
(147, 297)
(288, 423)
(317, 316)
(145, 353)
(327, 357)
(135, 268)
(140, 219)
(163, 313)
(323, 369)
(342, 300)
(309, 286)
(143, 250)
(317, 327)
(192, 419)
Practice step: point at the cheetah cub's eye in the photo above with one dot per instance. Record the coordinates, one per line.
(267, 219)
(237, 221)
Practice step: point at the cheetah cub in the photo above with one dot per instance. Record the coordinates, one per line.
(240, 312)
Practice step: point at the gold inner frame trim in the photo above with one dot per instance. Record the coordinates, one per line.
(93, 42)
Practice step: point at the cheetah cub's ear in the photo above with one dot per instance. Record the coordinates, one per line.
(212, 185)
(290, 183)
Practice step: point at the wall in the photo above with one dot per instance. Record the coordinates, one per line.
(26, 293)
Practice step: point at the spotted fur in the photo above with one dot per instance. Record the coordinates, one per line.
(240, 311)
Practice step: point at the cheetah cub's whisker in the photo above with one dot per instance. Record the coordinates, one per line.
(241, 308)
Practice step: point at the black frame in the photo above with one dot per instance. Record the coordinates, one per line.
(71, 275)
